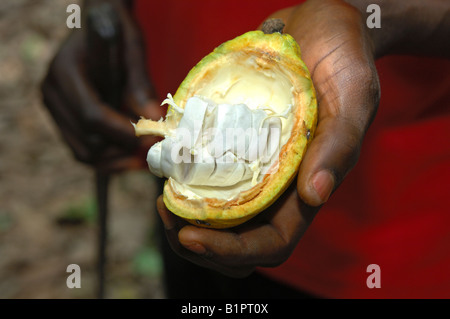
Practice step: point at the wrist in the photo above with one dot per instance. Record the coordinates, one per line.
(409, 26)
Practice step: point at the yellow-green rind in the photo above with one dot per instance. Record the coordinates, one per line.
(278, 48)
(275, 43)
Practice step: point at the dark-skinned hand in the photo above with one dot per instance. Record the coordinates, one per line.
(340, 56)
(98, 134)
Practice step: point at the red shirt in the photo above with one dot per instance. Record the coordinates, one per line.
(393, 209)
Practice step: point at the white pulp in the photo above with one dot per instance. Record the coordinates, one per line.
(229, 134)
(217, 144)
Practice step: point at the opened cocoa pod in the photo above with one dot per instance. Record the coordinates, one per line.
(235, 131)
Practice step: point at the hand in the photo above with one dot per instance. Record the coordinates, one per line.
(98, 134)
(339, 54)
(267, 240)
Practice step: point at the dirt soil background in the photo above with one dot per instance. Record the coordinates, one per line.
(47, 199)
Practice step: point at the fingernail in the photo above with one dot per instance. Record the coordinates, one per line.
(323, 183)
(196, 248)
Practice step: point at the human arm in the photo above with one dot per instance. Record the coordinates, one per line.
(410, 27)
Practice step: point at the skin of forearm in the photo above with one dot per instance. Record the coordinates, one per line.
(410, 26)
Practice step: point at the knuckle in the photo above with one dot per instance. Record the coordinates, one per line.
(362, 101)
(350, 143)
(368, 77)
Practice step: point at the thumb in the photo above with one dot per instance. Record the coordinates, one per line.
(348, 94)
(332, 154)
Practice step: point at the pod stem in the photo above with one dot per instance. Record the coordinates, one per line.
(272, 25)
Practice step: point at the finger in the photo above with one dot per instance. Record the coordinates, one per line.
(244, 249)
(86, 148)
(141, 104)
(290, 216)
(332, 154)
(69, 128)
(257, 243)
(82, 99)
(194, 253)
(99, 117)
(251, 244)
(344, 117)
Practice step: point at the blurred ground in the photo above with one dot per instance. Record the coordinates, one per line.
(47, 201)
